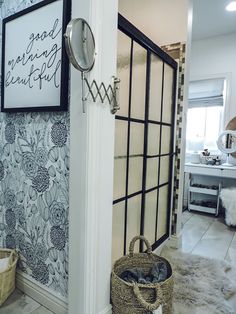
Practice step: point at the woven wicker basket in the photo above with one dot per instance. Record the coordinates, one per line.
(7, 278)
(135, 298)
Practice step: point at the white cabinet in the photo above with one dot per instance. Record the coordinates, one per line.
(203, 194)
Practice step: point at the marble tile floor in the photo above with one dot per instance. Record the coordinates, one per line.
(208, 236)
(19, 303)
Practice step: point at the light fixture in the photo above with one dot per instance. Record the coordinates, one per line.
(231, 6)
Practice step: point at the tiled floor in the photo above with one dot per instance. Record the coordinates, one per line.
(19, 303)
(203, 235)
(208, 236)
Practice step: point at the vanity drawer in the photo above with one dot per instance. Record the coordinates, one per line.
(228, 173)
(206, 171)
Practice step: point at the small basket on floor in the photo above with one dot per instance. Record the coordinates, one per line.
(136, 298)
(7, 277)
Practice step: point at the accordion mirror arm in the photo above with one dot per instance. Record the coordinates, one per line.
(84, 98)
(80, 48)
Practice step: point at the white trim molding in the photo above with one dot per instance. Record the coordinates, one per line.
(41, 294)
(107, 310)
(185, 106)
(175, 241)
(91, 169)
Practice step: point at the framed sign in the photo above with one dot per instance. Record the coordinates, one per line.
(34, 62)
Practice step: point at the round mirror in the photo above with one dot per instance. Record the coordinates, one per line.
(80, 44)
(227, 142)
(232, 126)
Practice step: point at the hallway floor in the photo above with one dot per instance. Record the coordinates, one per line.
(19, 303)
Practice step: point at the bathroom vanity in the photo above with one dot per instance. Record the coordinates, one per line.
(204, 183)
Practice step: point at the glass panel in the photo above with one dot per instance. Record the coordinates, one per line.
(166, 140)
(136, 138)
(153, 139)
(162, 212)
(133, 220)
(152, 172)
(164, 169)
(118, 228)
(121, 133)
(119, 177)
(138, 82)
(150, 216)
(123, 71)
(155, 88)
(135, 174)
(167, 95)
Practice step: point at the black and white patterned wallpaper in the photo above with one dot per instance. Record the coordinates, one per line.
(34, 188)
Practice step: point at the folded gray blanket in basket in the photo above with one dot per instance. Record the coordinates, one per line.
(157, 273)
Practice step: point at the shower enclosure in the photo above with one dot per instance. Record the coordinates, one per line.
(144, 148)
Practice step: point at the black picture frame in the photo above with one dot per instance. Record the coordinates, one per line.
(53, 58)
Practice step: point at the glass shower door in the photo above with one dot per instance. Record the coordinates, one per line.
(143, 140)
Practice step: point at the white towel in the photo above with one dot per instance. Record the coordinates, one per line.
(4, 262)
(159, 310)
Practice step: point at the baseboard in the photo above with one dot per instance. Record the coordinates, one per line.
(160, 247)
(175, 241)
(107, 310)
(41, 294)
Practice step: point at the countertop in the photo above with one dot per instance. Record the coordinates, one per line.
(210, 166)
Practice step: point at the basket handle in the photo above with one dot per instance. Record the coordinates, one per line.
(11, 257)
(144, 303)
(132, 243)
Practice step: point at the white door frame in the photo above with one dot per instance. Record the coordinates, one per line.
(178, 235)
(91, 170)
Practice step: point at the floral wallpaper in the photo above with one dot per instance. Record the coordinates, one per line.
(34, 188)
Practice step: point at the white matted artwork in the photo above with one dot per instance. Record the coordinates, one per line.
(35, 65)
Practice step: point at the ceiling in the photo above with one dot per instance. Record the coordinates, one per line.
(211, 19)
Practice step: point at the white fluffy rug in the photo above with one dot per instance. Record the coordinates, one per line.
(201, 284)
(228, 197)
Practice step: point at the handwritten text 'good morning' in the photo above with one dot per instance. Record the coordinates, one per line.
(49, 60)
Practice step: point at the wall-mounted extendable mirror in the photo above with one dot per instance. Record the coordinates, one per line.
(80, 47)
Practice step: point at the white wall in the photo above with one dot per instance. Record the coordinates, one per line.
(91, 170)
(163, 21)
(213, 56)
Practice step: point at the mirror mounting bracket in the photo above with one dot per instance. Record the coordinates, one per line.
(101, 92)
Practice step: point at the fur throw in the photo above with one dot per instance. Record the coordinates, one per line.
(228, 197)
(201, 285)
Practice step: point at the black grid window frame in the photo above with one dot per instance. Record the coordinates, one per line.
(137, 37)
